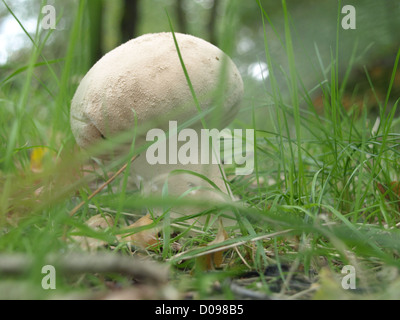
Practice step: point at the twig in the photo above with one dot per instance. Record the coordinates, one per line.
(288, 279)
(223, 248)
(76, 209)
(108, 210)
(300, 294)
(241, 258)
(244, 293)
(75, 263)
(185, 227)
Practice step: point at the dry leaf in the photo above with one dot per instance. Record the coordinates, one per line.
(144, 239)
(394, 187)
(100, 221)
(97, 222)
(213, 260)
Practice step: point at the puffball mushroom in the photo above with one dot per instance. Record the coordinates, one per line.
(144, 77)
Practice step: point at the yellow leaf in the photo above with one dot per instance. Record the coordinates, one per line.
(36, 158)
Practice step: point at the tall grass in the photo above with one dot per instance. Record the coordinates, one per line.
(312, 202)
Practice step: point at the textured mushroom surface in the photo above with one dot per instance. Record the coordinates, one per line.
(144, 76)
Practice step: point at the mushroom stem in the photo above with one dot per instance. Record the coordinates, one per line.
(189, 180)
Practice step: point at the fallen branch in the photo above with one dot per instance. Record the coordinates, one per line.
(77, 263)
(225, 247)
(244, 293)
(76, 209)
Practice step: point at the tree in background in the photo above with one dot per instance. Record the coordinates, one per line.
(181, 16)
(127, 26)
(211, 26)
(129, 20)
(130, 15)
(182, 23)
(95, 11)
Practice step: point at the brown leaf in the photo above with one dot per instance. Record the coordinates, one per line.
(394, 187)
(144, 239)
(97, 222)
(100, 221)
(381, 188)
(213, 260)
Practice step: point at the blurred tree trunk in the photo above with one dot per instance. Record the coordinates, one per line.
(95, 8)
(392, 10)
(211, 26)
(181, 17)
(129, 21)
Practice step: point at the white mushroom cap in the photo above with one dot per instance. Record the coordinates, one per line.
(145, 75)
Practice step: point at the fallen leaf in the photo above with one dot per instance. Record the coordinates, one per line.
(97, 222)
(213, 260)
(144, 239)
(100, 221)
(36, 158)
(394, 187)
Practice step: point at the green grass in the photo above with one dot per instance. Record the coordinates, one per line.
(311, 206)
